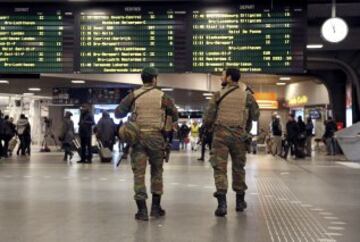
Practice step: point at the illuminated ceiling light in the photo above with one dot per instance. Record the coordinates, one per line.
(208, 94)
(285, 78)
(208, 98)
(78, 81)
(4, 82)
(167, 89)
(34, 89)
(28, 94)
(281, 83)
(314, 46)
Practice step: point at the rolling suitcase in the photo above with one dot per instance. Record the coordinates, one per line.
(175, 144)
(104, 153)
(76, 145)
(300, 152)
(12, 144)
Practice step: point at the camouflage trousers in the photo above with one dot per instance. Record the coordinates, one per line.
(151, 148)
(228, 141)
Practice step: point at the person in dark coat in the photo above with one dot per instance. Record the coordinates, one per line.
(85, 132)
(330, 129)
(105, 131)
(301, 138)
(67, 136)
(291, 135)
(9, 131)
(309, 134)
(23, 130)
(183, 133)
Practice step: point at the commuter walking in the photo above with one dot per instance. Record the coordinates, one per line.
(2, 121)
(309, 134)
(330, 129)
(67, 136)
(301, 139)
(291, 136)
(230, 112)
(106, 130)
(85, 132)
(276, 131)
(9, 132)
(27, 137)
(183, 134)
(150, 106)
(23, 130)
(195, 134)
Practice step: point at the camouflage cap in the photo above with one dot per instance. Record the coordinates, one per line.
(150, 71)
(129, 133)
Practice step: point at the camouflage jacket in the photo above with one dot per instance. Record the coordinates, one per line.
(210, 114)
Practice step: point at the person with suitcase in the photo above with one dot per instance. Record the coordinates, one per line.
(105, 133)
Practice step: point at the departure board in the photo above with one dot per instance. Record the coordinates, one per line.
(36, 41)
(249, 37)
(131, 38)
(175, 38)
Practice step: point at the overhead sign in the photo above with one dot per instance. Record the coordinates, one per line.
(117, 38)
(34, 41)
(298, 101)
(249, 37)
(128, 39)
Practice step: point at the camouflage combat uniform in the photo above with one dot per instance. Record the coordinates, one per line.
(231, 120)
(149, 112)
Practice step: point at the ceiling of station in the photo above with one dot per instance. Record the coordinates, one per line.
(188, 99)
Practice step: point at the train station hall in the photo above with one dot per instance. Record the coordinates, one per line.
(179, 121)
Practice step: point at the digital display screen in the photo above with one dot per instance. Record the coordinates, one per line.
(175, 38)
(248, 37)
(132, 38)
(36, 41)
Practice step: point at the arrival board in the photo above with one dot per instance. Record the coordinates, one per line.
(36, 41)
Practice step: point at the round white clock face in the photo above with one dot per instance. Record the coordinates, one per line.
(334, 30)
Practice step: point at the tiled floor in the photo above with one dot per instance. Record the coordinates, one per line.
(44, 199)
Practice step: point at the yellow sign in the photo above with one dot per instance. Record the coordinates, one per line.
(298, 101)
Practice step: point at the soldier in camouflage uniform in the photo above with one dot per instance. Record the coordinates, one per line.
(149, 107)
(230, 112)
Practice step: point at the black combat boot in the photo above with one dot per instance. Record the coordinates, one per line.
(156, 210)
(221, 210)
(241, 205)
(142, 213)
